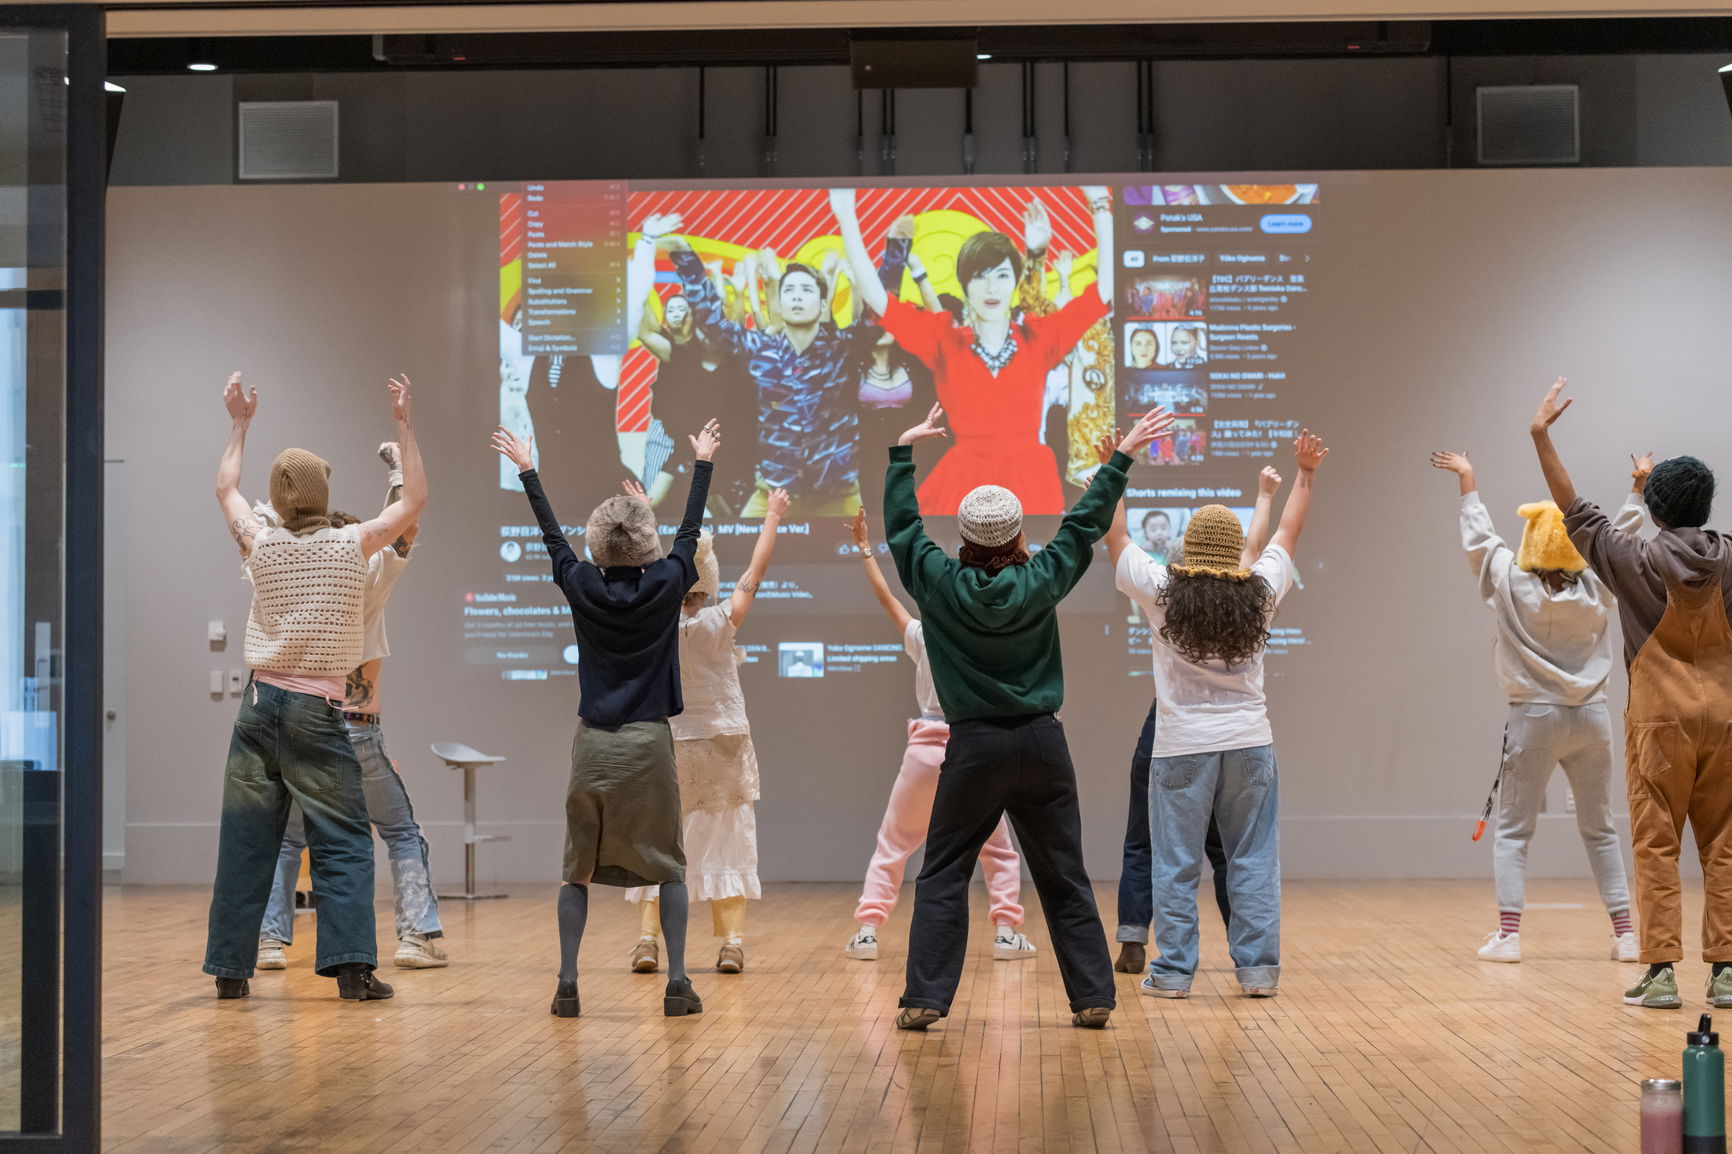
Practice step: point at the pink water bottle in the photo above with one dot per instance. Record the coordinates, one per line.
(1662, 1116)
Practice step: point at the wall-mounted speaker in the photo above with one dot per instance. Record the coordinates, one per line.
(288, 139)
(1529, 124)
(893, 63)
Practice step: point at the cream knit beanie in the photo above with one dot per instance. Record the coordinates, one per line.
(989, 516)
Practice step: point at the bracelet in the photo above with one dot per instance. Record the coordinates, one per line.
(919, 276)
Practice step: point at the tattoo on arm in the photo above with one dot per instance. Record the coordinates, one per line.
(748, 586)
(243, 530)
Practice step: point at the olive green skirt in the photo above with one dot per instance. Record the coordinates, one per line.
(622, 808)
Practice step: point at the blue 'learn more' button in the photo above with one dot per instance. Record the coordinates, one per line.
(1285, 222)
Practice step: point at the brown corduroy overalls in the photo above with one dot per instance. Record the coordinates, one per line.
(1678, 754)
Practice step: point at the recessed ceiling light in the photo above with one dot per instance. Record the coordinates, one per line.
(202, 67)
(111, 86)
(983, 56)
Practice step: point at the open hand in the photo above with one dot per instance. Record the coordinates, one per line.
(857, 530)
(777, 505)
(1108, 445)
(902, 228)
(1268, 481)
(241, 403)
(1456, 463)
(635, 491)
(1036, 227)
(708, 440)
(399, 387)
(657, 225)
(1550, 410)
(1157, 422)
(926, 429)
(1308, 451)
(519, 453)
(1641, 466)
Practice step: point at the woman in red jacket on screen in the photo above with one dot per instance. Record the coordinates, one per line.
(990, 372)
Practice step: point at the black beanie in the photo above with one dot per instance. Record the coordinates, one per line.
(1680, 493)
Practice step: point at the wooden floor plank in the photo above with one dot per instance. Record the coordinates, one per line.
(1388, 1036)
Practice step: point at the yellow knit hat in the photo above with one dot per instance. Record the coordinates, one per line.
(1214, 540)
(1545, 544)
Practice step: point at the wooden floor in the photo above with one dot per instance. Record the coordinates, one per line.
(1388, 1035)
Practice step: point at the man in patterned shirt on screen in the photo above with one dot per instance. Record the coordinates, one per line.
(808, 420)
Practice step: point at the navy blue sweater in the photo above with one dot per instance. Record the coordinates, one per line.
(627, 619)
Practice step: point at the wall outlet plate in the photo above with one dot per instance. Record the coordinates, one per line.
(218, 683)
(237, 681)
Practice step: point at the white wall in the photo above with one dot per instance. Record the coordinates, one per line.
(1454, 299)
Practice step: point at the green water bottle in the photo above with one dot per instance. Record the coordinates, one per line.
(1704, 1091)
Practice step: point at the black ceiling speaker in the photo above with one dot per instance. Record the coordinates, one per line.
(889, 62)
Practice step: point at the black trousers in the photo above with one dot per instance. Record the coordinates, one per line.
(1136, 880)
(1020, 767)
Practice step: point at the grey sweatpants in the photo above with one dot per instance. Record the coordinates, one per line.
(1542, 738)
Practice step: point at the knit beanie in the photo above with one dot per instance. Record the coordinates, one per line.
(989, 516)
(709, 571)
(622, 531)
(1214, 541)
(1545, 544)
(1680, 493)
(300, 490)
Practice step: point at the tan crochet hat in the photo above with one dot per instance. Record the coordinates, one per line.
(622, 531)
(1214, 540)
(301, 490)
(989, 516)
(1545, 544)
(709, 570)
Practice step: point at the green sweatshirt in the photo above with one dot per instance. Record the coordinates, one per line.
(993, 641)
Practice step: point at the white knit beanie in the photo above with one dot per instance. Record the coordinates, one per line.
(989, 516)
(709, 570)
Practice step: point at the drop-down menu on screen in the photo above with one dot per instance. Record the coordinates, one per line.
(574, 268)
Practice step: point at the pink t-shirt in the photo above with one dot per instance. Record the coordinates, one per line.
(330, 688)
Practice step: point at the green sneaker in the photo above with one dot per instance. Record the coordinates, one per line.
(1659, 992)
(1720, 989)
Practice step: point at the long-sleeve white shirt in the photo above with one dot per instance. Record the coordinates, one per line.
(1550, 648)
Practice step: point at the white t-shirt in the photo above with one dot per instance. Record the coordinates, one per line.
(709, 676)
(383, 569)
(1202, 707)
(925, 693)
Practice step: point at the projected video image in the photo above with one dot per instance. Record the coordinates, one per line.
(1166, 345)
(1165, 298)
(1183, 394)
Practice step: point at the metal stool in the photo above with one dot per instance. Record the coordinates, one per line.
(456, 755)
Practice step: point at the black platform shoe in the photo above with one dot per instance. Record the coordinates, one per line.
(355, 981)
(233, 988)
(565, 1000)
(680, 999)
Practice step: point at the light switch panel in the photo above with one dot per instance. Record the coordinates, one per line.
(218, 631)
(237, 681)
(218, 683)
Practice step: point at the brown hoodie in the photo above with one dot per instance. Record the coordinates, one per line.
(1636, 570)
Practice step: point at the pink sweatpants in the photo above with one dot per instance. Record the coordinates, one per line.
(904, 829)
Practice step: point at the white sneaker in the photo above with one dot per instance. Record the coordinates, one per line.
(1010, 946)
(1625, 948)
(271, 955)
(420, 952)
(863, 946)
(1501, 947)
(1147, 987)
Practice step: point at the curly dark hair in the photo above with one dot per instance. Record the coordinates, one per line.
(1211, 617)
(1012, 552)
(339, 519)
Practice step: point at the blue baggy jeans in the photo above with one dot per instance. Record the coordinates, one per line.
(392, 815)
(291, 747)
(1237, 786)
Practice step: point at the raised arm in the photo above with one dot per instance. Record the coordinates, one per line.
(746, 588)
(1632, 515)
(1066, 557)
(396, 519)
(392, 454)
(911, 549)
(1557, 477)
(868, 290)
(893, 608)
(1118, 534)
(1308, 454)
(1487, 554)
(237, 514)
(1267, 482)
(1100, 200)
(704, 444)
(559, 551)
(700, 291)
(928, 295)
(640, 271)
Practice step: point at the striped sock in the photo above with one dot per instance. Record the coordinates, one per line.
(1621, 922)
(1509, 921)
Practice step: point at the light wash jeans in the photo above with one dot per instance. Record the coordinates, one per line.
(1238, 787)
(392, 815)
(291, 748)
(1577, 738)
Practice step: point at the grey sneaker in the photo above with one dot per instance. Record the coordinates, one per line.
(1720, 989)
(271, 955)
(420, 952)
(1655, 992)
